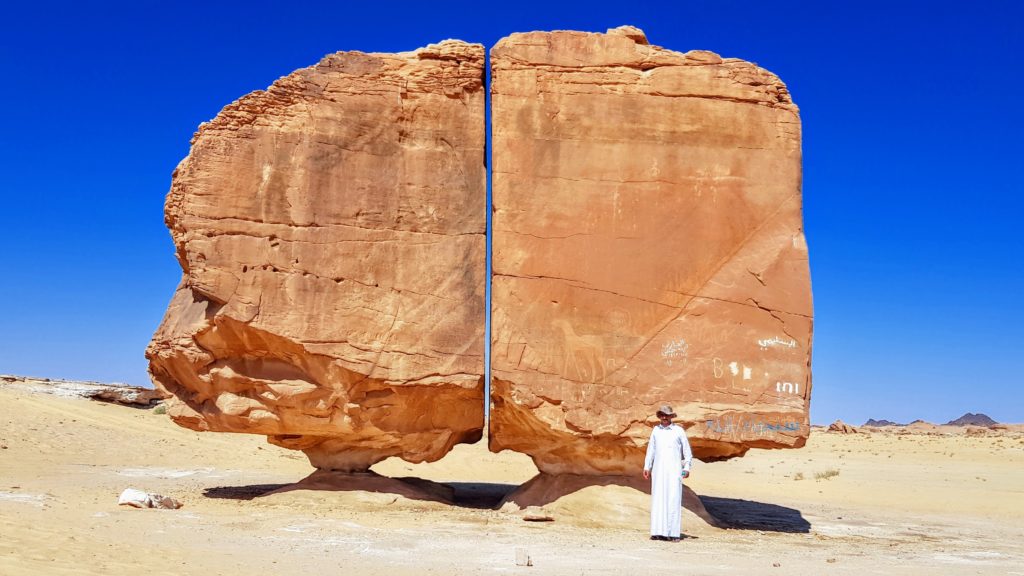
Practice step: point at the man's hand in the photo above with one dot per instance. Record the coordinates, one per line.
(647, 474)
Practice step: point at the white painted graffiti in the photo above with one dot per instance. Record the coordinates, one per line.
(735, 368)
(674, 349)
(791, 387)
(711, 179)
(776, 341)
(732, 376)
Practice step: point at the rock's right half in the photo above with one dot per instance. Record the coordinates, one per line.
(648, 248)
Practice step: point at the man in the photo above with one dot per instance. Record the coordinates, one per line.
(667, 463)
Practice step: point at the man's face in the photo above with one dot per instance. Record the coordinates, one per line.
(665, 419)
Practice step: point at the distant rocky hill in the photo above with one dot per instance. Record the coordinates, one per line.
(843, 428)
(117, 393)
(970, 419)
(879, 423)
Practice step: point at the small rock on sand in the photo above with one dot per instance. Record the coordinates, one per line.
(537, 514)
(139, 499)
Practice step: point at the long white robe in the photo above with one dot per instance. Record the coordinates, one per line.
(668, 455)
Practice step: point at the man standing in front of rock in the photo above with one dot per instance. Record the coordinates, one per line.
(667, 463)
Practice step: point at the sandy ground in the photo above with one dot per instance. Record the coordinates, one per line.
(900, 504)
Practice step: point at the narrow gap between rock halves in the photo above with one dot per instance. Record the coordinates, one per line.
(488, 165)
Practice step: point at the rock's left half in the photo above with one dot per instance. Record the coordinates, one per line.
(331, 233)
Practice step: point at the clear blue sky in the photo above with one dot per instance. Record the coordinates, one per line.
(912, 120)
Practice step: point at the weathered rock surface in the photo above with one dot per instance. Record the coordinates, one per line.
(331, 234)
(648, 248)
(116, 393)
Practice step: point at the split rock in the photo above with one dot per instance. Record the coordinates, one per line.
(330, 230)
(648, 248)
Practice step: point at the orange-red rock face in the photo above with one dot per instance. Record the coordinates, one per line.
(331, 234)
(648, 249)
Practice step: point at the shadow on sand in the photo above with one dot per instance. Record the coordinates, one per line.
(480, 495)
(750, 515)
(542, 490)
(241, 492)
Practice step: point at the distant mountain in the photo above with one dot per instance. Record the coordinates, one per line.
(879, 423)
(972, 420)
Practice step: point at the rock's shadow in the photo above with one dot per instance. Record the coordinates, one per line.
(241, 492)
(481, 495)
(485, 495)
(749, 515)
(729, 513)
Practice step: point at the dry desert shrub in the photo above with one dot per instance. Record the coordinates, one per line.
(825, 475)
(798, 476)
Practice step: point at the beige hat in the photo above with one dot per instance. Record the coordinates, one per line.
(666, 410)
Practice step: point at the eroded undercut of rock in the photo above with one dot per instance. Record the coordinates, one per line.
(648, 249)
(331, 232)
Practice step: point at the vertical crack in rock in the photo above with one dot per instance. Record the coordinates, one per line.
(648, 248)
(331, 234)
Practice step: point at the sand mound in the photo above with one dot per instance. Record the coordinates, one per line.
(921, 426)
(324, 489)
(605, 501)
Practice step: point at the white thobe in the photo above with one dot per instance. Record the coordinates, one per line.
(668, 455)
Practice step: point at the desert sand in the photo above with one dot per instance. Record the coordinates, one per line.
(936, 499)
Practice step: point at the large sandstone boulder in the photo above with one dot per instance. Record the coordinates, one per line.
(331, 234)
(648, 248)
